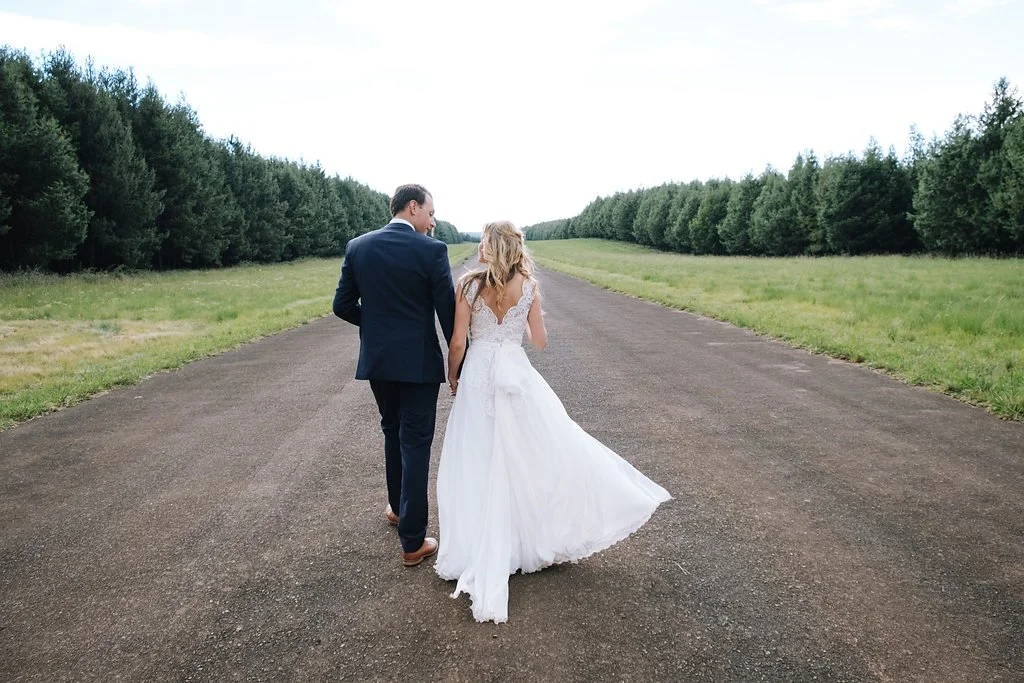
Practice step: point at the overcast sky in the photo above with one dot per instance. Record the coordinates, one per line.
(527, 110)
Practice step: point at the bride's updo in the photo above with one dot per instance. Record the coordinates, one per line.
(504, 248)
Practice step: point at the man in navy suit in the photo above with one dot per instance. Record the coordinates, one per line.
(393, 281)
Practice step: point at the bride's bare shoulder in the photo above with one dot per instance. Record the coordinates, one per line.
(462, 287)
(467, 277)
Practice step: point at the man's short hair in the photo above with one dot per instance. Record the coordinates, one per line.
(405, 194)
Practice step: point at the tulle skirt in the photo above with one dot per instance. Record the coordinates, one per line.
(521, 486)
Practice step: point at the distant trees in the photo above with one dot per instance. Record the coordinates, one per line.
(774, 229)
(734, 231)
(43, 214)
(98, 172)
(447, 233)
(963, 194)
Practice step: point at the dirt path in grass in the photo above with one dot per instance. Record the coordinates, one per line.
(222, 522)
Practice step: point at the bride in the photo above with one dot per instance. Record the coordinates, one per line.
(520, 485)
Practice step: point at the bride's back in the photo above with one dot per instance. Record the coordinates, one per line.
(500, 319)
(510, 297)
(502, 296)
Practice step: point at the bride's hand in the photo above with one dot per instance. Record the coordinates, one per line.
(453, 384)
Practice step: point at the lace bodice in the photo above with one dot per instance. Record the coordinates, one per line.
(484, 325)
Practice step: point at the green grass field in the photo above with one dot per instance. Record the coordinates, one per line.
(955, 325)
(64, 338)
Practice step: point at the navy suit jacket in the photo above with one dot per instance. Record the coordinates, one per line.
(393, 280)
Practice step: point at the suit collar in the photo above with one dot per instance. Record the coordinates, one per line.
(400, 223)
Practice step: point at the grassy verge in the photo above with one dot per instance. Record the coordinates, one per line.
(457, 253)
(64, 338)
(955, 325)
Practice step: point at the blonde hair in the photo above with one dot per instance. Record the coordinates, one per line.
(506, 255)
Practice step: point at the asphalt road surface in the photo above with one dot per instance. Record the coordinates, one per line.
(223, 522)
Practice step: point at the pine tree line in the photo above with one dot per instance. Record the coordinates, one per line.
(97, 171)
(448, 233)
(961, 194)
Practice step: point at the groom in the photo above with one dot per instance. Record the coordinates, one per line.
(393, 280)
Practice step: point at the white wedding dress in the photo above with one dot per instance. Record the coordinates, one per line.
(520, 485)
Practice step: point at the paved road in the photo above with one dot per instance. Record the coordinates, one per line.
(222, 522)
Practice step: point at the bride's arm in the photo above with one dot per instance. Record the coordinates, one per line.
(535, 330)
(457, 347)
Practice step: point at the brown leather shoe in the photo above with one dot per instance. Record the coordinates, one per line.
(390, 515)
(428, 548)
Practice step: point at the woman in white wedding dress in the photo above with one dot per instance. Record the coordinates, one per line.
(520, 485)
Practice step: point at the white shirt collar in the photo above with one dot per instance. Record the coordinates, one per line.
(402, 220)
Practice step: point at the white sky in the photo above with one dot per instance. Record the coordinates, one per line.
(527, 110)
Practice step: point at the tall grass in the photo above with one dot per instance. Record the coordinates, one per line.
(64, 338)
(956, 325)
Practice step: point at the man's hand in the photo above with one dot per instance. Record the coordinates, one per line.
(453, 384)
